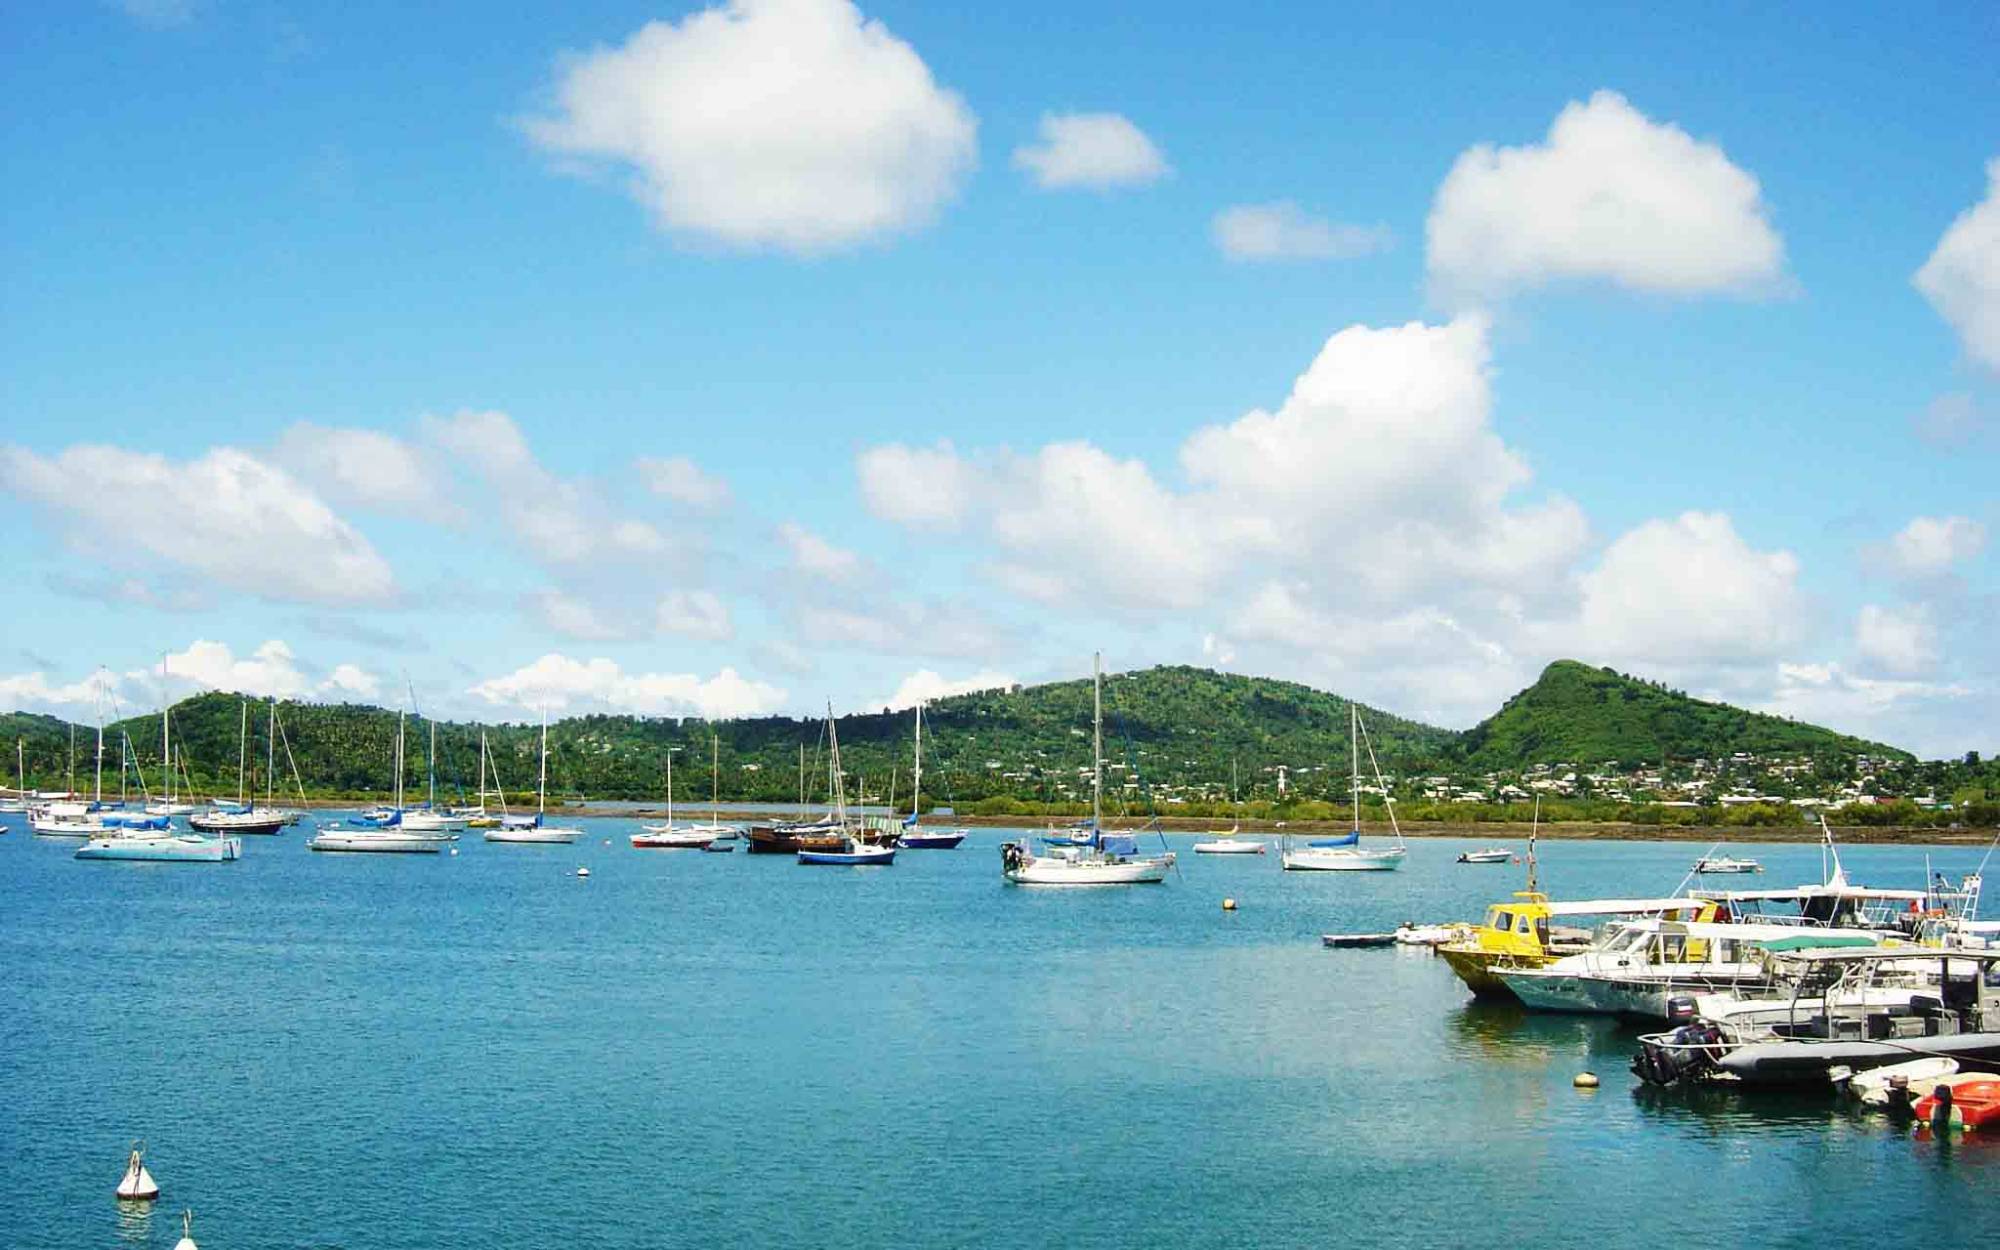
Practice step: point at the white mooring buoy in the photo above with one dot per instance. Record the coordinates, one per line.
(138, 1184)
(187, 1233)
(1586, 1080)
(583, 872)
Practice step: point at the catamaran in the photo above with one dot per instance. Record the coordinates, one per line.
(914, 835)
(1345, 853)
(532, 829)
(1108, 859)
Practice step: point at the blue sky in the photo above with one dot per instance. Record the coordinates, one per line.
(1649, 380)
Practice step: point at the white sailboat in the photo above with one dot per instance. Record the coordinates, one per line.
(669, 836)
(1224, 841)
(1108, 859)
(430, 818)
(1345, 853)
(851, 850)
(531, 829)
(168, 805)
(244, 816)
(381, 831)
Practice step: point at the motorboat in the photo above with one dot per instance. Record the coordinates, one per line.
(1356, 940)
(1345, 853)
(1229, 846)
(1643, 963)
(1857, 1009)
(386, 841)
(1712, 865)
(1525, 932)
(852, 852)
(1491, 855)
(531, 829)
(1408, 934)
(68, 820)
(168, 848)
(1106, 859)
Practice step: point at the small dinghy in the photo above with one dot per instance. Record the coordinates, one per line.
(1430, 934)
(138, 1184)
(1229, 847)
(719, 847)
(1491, 855)
(1969, 1101)
(1920, 1075)
(1345, 941)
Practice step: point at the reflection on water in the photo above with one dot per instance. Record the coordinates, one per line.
(135, 1223)
(1510, 1033)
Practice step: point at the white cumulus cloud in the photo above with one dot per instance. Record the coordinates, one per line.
(561, 683)
(226, 516)
(1094, 150)
(794, 124)
(1284, 231)
(699, 614)
(367, 469)
(1962, 277)
(915, 485)
(683, 481)
(1927, 548)
(925, 686)
(816, 557)
(1690, 590)
(1609, 194)
(1898, 641)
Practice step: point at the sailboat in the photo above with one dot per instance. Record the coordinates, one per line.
(850, 849)
(914, 836)
(531, 828)
(244, 817)
(788, 837)
(668, 837)
(1224, 841)
(18, 800)
(477, 816)
(430, 818)
(151, 839)
(1110, 859)
(1345, 853)
(380, 830)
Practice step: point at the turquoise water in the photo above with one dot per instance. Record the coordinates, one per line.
(726, 1050)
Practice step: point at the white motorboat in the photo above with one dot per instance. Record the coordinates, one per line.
(166, 848)
(532, 830)
(1640, 964)
(1109, 859)
(1230, 846)
(1709, 865)
(1872, 1088)
(69, 820)
(1491, 855)
(1345, 853)
(385, 841)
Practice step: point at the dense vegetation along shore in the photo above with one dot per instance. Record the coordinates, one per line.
(1594, 746)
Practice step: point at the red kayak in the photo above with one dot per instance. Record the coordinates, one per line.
(1971, 1104)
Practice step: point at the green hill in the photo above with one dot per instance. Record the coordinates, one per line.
(1582, 715)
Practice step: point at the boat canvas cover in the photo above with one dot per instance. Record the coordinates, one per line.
(1349, 839)
(1803, 893)
(1119, 844)
(1621, 906)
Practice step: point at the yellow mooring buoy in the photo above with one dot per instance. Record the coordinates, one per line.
(1229, 904)
(1586, 1080)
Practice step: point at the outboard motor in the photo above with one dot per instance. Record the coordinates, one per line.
(1680, 1010)
(1941, 1110)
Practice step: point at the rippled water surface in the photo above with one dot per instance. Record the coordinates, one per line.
(721, 1050)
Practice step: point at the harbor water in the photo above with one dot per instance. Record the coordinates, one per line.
(483, 1049)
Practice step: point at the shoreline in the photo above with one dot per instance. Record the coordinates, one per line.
(1560, 831)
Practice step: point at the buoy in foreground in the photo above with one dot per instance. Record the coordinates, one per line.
(187, 1233)
(138, 1185)
(1229, 904)
(583, 872)
(1586, 1080)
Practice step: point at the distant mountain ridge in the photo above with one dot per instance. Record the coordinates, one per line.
(1171, 726)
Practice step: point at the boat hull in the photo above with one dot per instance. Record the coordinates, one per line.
(1229, 848)
(168, 850)
(1342, 859)
(366, 842)
(1637, 998)
(915, 840)
(1486, 857)
(539, 836)
(856, 857)
(260, 823)
(1049, 871)
(1481, 970)
(1792, 1063)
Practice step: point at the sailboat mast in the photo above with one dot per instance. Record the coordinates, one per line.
(432, 765)
(670, 786)
(98, 785)
(71, 785)
(714, 778)
(833, 763)
(399, 761)
(1534, 829)
(271, 755)
(242, 750)
(166, 738)
(542, 781)
(917, 768)
(1097, 744)
(1354, 745)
